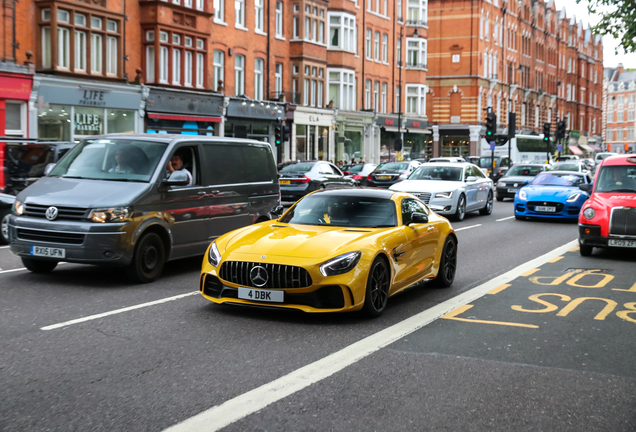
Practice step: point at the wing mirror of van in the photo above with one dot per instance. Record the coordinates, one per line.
(49, 168)
(585, 187)
(177, 178)
(419, 218)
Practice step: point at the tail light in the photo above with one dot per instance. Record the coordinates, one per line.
(358, 177)
(499, 172)
(301, 180)
(369, 177)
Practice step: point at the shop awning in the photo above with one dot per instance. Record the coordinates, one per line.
(586, 147)
(184, 117)
(575, 150)
(595, 147)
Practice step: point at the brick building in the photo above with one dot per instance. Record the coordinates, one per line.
(619, 93)
(331, 70)
(514, 56)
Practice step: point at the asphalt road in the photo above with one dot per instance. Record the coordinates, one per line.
(149, 368)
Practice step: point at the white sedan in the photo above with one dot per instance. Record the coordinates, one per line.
(450, 189)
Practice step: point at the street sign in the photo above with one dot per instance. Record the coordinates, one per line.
(560, 148)
(492, 145)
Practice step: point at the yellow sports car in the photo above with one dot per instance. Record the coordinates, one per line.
(333, 251)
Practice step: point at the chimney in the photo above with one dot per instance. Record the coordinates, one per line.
(620, 69)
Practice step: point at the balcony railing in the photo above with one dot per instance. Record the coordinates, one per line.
(415, 65)
(285, 96)
(423, 22)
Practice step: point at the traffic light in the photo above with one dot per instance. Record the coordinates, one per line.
(560, 133)
(546, 132)
(285, 133)
(278, 134)
(397, 145)
(491, 126)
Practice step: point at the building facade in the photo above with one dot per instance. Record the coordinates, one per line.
(619, 93)
(522, 56)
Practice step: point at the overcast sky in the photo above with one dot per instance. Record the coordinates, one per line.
(609, 44)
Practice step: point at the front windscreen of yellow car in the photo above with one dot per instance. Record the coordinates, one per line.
(278, 264)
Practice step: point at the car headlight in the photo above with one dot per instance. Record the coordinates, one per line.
(114, 214)
(214, 257)
(502, 184)
(573, 197)
(589, 213)
(18, 208)
(523, 195)
(340, 264)
(446, 195)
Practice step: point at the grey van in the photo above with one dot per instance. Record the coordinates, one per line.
(113, 201)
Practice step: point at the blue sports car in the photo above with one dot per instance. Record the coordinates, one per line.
(552, 194)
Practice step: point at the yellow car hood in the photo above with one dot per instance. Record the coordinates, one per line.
(301, 241)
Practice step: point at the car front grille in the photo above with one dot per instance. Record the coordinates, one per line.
(424, 196)
(64, 213)
(50, 236)
(278, 276)
(392, 177)
(623, 221)
(533, 204)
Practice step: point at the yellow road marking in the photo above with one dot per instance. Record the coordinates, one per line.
(498, 289)
(576, 249)
(553, 260)
(632, 289)
(530, 272)
(452, 315)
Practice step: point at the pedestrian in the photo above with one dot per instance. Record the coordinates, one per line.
(353, 161)
(361, 161)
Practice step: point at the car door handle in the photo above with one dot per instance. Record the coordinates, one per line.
(430, 227)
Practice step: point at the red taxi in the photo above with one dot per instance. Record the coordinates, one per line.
(608, 218)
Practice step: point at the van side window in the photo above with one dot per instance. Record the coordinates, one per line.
(229, 163)
(189, 163)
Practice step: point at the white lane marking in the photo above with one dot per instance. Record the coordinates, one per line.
(118, 311)
(13, 270)
(468, 227)
(503, 219)
(243, 405)
(3, 247)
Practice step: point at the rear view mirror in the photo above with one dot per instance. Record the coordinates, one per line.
(585, 187)
(49, 168)
(419, 218)
(177, 178)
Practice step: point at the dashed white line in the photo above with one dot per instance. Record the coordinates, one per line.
(12, 270)
(114, 312)
(468, 227)
(4, 247)
(503, 219)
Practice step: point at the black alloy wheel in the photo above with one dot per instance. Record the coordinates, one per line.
(378, 284)
(148, 260)
(448, 264)
(4, 226)
(585, 250)
(460, 213)
(39, 266)
(488, 207)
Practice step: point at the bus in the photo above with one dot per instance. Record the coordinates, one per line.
(525, 149)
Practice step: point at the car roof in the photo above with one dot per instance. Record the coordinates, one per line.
(167, 138)
(619, 159)
(564, 172)
(450, 164)
(358, 192)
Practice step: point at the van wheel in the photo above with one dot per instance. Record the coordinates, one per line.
(148, 260)
(4, 226)
(39, 266)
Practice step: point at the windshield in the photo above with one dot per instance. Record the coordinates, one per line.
(602, 156)
(299, 167)
(333, 210)
(395, 166)
(524, 170)
(486, 162)
(437, 173)
(556, 179)
(116, 159)
(566, 166)
(617, 178)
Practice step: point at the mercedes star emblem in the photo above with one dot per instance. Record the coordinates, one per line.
(259, 276)
(51, 213)
(263, 256)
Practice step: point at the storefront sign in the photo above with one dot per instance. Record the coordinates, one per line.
(386, 121)
(180, 102)
(87, 123)
(16, 88)
(90, 97)
(93, 98)
(416, 124)
(312, 118)
(258, 111)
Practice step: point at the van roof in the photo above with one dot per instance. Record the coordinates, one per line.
(619, 159)
(167, 138)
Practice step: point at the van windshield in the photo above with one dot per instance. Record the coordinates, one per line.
(116, 160)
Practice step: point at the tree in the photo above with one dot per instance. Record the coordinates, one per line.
(617, 19)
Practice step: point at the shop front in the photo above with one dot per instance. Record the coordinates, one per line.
(70, 110)
(455, 142)
(15, 91)
(357, 137)
(183, 112)
(312, 135)
(414, 142)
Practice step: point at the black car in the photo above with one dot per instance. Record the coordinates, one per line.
(297, 180)
(390, 173)
(517, 177)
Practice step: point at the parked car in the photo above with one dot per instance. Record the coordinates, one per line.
(608, 218)
(598, 158)
(517, 177)
(114, 201)
(566, 158)
(333, 251)
(572, 165)
(297, 180)
(448, 159)
(390, 173)
(450, 188)
(360, 172)
(6, 202)
(552, 194)
(589, 163)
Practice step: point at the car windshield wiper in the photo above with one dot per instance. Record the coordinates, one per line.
(122, 179)
(380, 226)
(74, 177)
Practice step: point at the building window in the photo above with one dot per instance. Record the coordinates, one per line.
(200, 69)
(111, 55)
(218, 72)
(279, 18)
(96, 54)
(63, 47)
(187, 69)
(384, 97)
(416, 12)
(376, 47)
(342, 89)
(385, 48)
(278, 79)
(80, 51)
(239, 75)
(368, 44)
(258, 15)
(176, 66)
(376, 96)
(367, 94)
(416, 99)
(321, 91)
(342, 32)
(150, 63)
(163, 65)
(240, 13)
(258, 79)
(416, 52)
(314, 27)
(219, 11)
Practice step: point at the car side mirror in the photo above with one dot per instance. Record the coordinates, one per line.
(471, 179)
(278, 210)
(177, 178)
(419, 218)
(585, 187)
(49, 168)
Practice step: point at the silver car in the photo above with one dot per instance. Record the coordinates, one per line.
(450, 188)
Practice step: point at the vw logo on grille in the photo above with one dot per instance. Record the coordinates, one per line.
(51, 213)
(259, 276)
